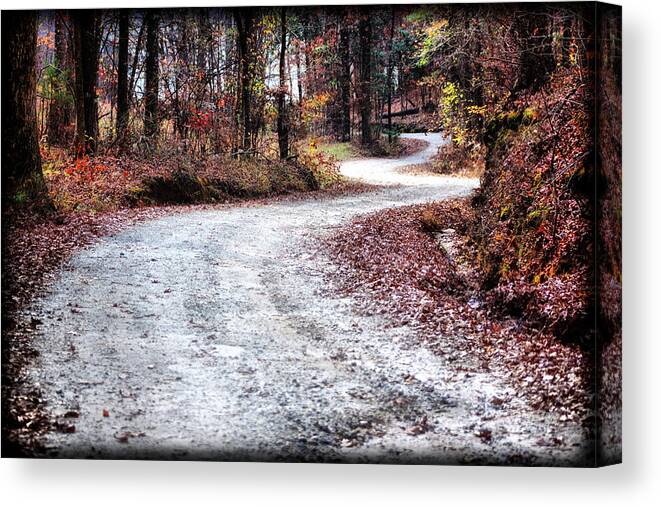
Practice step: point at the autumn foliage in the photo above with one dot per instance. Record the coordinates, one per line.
(134, 110)
(417, 265)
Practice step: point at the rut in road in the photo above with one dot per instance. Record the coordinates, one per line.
(212, 335)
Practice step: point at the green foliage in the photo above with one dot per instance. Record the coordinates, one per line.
(453, 113)
(53, 85)
(529, 115)
(20, 197)
(452, 97)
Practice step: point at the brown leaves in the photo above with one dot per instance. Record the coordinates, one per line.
(421, 426)
(33, 248)
(485, 435)
(124, 436)
(392, 267)
(65, 427)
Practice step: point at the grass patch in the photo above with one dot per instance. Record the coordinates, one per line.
(340, 151)
(380, 148)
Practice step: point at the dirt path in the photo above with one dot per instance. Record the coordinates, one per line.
(212, 335)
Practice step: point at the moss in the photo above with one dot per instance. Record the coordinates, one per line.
(529, 115)
(21, 197)
(499, 130)
(536, 217)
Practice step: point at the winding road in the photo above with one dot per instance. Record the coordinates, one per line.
(214, 335)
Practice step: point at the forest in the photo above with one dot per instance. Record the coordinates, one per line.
(115, 119)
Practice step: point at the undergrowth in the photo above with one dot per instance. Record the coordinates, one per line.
(107, 182)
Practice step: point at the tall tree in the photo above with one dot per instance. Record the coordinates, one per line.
(87, 41)
(344, 81)
(244, 28)
(123, 77)
(21, 163)
(151, 76)
(60, 113)
(204, 43)
(181, 74)
(365, 33)
(389, 71)
(283, 127)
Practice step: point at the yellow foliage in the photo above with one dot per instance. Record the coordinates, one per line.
(477, 110)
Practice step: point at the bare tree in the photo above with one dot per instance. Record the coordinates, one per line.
(283, 127)
(61, 112)
(344, 81)
(244, 26)
(151, 76)
(123, 77)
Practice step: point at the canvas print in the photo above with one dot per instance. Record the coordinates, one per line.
(344, 234)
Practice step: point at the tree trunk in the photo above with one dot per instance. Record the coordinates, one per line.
(365, 31)
(123, 77)
(182, 73)
(204, 44)
(390, 72)
(136, 55)
(60, 113)
(283, 127)
(244, 28)
(22, 178)
(345, 83)
(565, 42)
(151, 76)
(86, 46)
(299, 77)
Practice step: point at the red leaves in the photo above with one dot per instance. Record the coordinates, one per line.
(534, 232)
(485, 435)
(86, 167)
(200, 121)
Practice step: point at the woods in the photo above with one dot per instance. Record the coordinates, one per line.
(114, 88)
(221, 82)
(267, 81)
(116, 113)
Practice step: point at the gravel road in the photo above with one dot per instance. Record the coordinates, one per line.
(215, 335)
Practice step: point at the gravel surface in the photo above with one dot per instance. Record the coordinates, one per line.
(215, 335)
